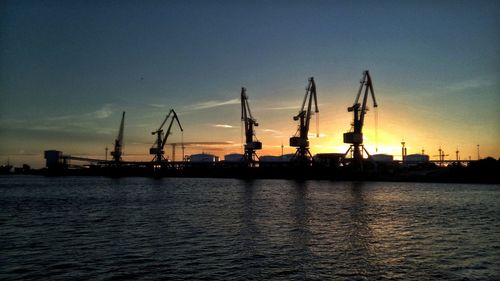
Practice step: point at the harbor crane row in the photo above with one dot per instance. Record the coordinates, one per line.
(161, 138)
(300, 139)
(118, 150)
(355, 136)
(251, 145)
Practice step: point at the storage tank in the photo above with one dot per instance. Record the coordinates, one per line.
(203, 158)
(233, 157)
(417, 158)
(382, 157)
(270, 158)
(287, 157)
(274, 158)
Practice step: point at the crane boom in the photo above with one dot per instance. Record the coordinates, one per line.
(161, 139)
(249, 122)
(170, 127)
(117, 152)
(367, 81)
(301, 139)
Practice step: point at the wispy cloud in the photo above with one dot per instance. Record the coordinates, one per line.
(104, 112)
(212, 104)
(314, 135)
(272, 131)
(289, 106)
(470, 84)
(156, 105)
(223, 126)
(44, 127)
(295, 107)
(67, 123)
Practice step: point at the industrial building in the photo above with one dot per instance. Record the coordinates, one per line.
(234, 158)
(203, 158)
(416, 158)
(381, 157)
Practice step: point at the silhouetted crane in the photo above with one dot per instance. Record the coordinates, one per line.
(117, 152)
(161, 139)
(355, 136)
(301, 139)
(249, 122)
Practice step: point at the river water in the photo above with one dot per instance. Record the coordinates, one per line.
(97, 228)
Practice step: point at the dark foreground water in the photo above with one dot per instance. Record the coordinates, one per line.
(226, 229)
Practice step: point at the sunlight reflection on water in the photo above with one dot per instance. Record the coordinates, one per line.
(234, 229)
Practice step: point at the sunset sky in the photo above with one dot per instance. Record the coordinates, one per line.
(69, 68)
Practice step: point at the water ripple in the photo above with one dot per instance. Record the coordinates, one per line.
(224, 229)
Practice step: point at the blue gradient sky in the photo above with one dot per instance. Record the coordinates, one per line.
(68, 69)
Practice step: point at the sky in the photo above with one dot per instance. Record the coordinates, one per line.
(68, 69)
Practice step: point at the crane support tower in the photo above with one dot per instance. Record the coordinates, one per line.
(161, 138)
(251, 142)
(355, 136)
(117, 152)
(300, 139)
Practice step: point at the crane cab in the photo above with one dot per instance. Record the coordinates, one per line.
(353, 137)
(156, 151)
(255, 145)
(298, 142)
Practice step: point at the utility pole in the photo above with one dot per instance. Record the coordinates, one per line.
(403, 151)
(106, 153)
(456, 152)
(478, 156)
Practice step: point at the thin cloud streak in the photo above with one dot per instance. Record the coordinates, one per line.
(282, 108)
(211, 104)
(288, 107)
(470, 84)
(223, 126)
(104, 112)
(314, 135)
(272, 131)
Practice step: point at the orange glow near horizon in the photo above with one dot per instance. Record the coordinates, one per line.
(396, 123)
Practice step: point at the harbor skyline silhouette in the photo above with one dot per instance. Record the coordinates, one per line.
(69, 70)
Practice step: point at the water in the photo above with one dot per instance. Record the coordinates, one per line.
(227, 229)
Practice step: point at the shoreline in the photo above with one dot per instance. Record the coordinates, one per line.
(486, 172)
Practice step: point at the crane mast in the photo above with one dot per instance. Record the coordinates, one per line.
(355, 136)
(161, 138)
(117, 152)
(249, 122)
(301, 140)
